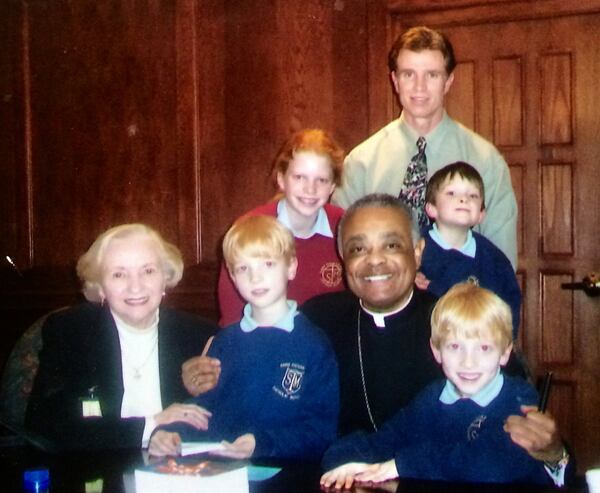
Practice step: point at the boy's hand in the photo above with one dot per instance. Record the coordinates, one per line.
(537, 433)
(343, 477)
(201, 373)
(377, 473)
(192, 414)
(241, 448)
(164, 443)
(421, 281)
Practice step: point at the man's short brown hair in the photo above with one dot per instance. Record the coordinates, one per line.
(422, 38)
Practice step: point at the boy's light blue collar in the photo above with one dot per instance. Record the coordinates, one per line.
(248, 324)
(468, 249)
(321, 225)
(486, 395)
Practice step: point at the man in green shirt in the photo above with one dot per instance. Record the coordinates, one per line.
(421, 63)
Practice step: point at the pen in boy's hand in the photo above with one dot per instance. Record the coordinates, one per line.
(545, 392)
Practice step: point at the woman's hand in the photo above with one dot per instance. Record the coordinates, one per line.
(164, 443)
(241, 448)
(191, 414)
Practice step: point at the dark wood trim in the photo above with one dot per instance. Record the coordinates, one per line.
(465, 12)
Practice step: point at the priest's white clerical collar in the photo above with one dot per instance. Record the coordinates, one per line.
(321, 225)
(379, 317)
(468, 249)
(134, 330)
(248, 324)
(482, 398)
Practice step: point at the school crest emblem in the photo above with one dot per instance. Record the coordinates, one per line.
(331, 274)
(292, 380)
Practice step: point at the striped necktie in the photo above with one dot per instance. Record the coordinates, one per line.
(415, 182)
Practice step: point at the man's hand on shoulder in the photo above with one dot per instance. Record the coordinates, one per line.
(201, 373)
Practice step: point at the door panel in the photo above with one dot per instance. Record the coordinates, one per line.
(531, 87)
(540, 76)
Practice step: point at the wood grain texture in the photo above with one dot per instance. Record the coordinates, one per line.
(556, 187)
(465, 12)
(557, 319)
(556, 96)
(168, 112)
(517, 176)
(462, 106)
(508, 101)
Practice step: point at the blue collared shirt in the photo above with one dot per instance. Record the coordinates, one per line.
(321, 225)
(486, 395)
(248, 324)
(467, 249)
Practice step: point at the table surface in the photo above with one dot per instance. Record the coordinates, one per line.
(81, 472)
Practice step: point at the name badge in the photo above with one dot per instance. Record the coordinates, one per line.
(90, 408)
(90, 405)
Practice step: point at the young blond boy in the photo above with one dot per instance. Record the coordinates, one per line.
(306, 171)
(277, 394)
(455, 200)
(454, 429)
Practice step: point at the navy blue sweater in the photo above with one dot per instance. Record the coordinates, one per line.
(282, 387)
(445, 268)
(453, 442)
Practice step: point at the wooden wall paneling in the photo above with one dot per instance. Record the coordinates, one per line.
(210, 136)
(556, 197)
(507, 101)
(104, 99)
(465, 12)
(290, 65)
(517, 175)
(462, 104)
(521, 337)
(253, 105)
(556, 96)
(189, 139)
(563, 403)
(382, 102)
(557, 319)
(357, 56)
(15, 159)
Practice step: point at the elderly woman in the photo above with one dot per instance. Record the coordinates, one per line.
(110, 369)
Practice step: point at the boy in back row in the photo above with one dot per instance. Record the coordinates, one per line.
(454, 429)
(455, 200)
(278, 392)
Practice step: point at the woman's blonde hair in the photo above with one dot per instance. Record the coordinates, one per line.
(89, 265)
(470, 311)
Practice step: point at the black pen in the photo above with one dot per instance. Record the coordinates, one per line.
(545, 392)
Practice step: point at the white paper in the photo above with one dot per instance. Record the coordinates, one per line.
(189, 448)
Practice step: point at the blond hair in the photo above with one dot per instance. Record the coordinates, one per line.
(257, 236)
(470, 311)
(89, 265)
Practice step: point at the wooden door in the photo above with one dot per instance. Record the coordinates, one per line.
(531, 86)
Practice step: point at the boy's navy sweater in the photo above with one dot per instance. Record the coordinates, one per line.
(453, 442)
(281, 386)
(445, 268)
